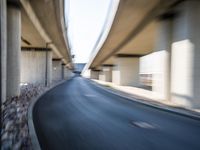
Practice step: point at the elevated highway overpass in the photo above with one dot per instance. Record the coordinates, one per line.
(166, 34)
(34, 44)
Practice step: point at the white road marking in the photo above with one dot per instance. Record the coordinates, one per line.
(143, 124)
(90, 95)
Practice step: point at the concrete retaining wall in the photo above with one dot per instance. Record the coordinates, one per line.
(56, 70)
(33, 66)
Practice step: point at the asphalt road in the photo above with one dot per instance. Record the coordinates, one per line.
(78, 115)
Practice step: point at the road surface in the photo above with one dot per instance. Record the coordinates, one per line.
(78, 115)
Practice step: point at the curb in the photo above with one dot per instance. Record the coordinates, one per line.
(185, 113)
(32, 132)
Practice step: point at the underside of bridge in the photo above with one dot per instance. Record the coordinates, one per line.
(35, 49)
(153, 43)
(133, 30)
(43, 23)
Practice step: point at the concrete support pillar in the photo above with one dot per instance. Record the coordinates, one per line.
(57, 70)
(106, 74)
(185, 75)
(94, 74)
(69, 73)
(3, 46)
(13, 49)
(162, 56)
(33, 66)
(66, 73)
(102, 77)
(63, 71)
(126, 71)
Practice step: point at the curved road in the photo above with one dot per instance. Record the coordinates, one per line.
(78, 115)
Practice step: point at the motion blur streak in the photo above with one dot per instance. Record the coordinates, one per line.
(79, 115)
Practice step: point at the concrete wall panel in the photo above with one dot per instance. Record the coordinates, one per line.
(161, 60)
(186, 55)
(126, 71)
(56, 70)
(94, 75)
(33, 66)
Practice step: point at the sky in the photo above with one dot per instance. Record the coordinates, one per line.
(85, 22)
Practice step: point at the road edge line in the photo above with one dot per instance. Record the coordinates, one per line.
(32, 133)
(168, 109)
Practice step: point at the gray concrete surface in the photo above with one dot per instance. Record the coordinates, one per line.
(46, 20)
(3, 46)
(56, 70)
(185, 83)
(126, 71)
(106, 74)
(63, 71)
(175, 71)
(162, 53)
(79, 115)
(13, 50)
(33, 66)
(67, 73)
(94, 74)
(33, 25)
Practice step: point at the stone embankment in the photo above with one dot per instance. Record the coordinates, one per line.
(14, 132)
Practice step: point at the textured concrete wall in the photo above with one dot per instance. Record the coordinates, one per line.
(106, 74)
(33, 66)
(126, 71)
(102, 76)
(56, 70)
(3, 52)
(13, 50)
(66, 73)
(63, 71)
(94, 74)
(185, 74)
(116, 75)
(162, 55)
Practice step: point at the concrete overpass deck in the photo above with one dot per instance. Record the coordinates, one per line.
(134, 23)
(34, 42)
(153, 43)
(43, 23)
